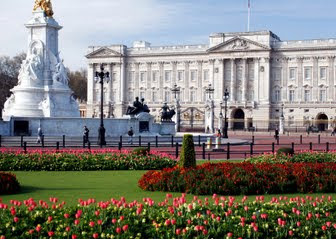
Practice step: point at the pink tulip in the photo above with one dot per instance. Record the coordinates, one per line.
(125, 227)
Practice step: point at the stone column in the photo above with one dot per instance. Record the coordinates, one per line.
(220, 88)
(256, 79)
(90, 90)
(109, 85)
(244, 80)
(315, 77)
(123, 83)
(331, 80)
(212, 72)
(149, 77)
(233, 80)
(266, 81)
(300, 79)
(186, 81)
(174, 73)
(137, 80)
(199, 80)
(161, 80)
(284, 82)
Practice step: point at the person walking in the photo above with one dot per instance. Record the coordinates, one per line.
(276, 133)
(86, 134)
(130, 135)
(39, 135)
(333, 133)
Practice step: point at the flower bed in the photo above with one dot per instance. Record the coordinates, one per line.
(8, 183)
(301, 157)
(243, 178)
(82, 160)
(219, 217)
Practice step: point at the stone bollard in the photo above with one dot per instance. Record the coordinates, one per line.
(209, 143)
(218, 142)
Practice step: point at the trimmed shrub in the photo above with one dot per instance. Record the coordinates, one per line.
(287, 151)
(187, 156)
(8, 183)
(141, 151)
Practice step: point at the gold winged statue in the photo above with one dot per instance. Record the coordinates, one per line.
(44, 5)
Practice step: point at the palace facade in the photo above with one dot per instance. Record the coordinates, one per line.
(265, 76)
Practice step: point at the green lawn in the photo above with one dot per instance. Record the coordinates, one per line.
(101, 185)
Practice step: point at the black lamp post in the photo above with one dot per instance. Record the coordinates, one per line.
(209, 91)
(101, 77)
(176, 91)
(225, 98)
(282, 110)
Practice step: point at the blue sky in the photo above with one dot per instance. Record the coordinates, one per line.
(164, 22)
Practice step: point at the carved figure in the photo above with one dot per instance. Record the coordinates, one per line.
(137, 108)
(44, 5)
(32, 67)
(9, 102)
(167, 114)
(59, 73)
(240, 44)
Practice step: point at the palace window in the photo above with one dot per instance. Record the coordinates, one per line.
(181, 95)
(114, 76)
(180, 75)
(167, 76)
(323, 95)
(142, 95)
(130, 96)
(206, 75)
(239, 95)
(142, 76)
(154, 96)
(192, 96)
(277, 74)
(114, 96)
(292, 73)
(251, 72)
(155, 76)
(167, 96)
(307, 95)
(307, 73)
(291, 95)
(251, 95)
(193, 75)
(131, 76)
(277, 96)
(323, 73)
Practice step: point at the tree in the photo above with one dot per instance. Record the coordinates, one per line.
(78, 83)
(9, 72)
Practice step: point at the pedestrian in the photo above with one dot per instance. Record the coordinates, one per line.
(86, 134)
(130, 135)
(219, 134)
(276, 133)
(39, 135)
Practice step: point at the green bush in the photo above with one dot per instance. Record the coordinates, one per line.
(187, 156)
(287, 151)
(141, 151)
(8, 183)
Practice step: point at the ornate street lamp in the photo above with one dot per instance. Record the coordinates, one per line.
(209, 91)
(176, 91)
(225, 98)
(100, 78)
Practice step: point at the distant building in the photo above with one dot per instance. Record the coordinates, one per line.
(262, 73)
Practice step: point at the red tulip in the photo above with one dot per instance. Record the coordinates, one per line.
(50, 218)
(67, 229)
(15, 219)
(230, 234)
(74, 236)
(114, 220)
(38, 228)
(290, 232)
(51, 233)
(125, 227)
(91, 224)
(95, 235)
(324, 228)
(118, 230)
(66, 215)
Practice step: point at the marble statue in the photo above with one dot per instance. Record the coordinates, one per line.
(44, 5)
(32, 67)
(59, 73)
(137, 108)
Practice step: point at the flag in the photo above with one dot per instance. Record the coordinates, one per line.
(249, 4)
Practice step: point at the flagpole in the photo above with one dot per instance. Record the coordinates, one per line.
(248, 16)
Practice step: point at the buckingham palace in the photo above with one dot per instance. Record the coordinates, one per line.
(266, 78)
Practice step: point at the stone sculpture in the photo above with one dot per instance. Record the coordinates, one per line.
(167, 114)
(59, 73)
(44, 5)
(137, 108)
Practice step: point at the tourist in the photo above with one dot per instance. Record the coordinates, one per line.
(130, 136)
(86, 134)
(276, 133)
(39, 135)
(219, 134)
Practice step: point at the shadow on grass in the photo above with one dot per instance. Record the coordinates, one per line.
(32, 189)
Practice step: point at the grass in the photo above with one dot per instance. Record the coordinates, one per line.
(101, 185)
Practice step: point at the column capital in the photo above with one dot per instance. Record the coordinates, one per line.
(315, 58)
(232, 59)
(149, 63)
(331, 58)
(267, 59)
(174, 62)
(200, 62)
(221, 60)
(91, 65)
(285, 59)
(212, 61)
(161, 63)
(187, 63)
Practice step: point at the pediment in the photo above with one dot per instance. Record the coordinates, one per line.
(239, 44)
(103, 52)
